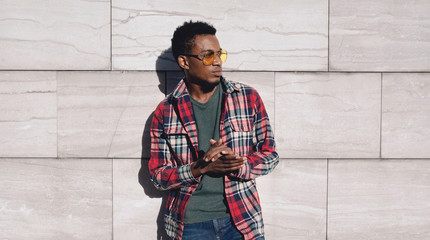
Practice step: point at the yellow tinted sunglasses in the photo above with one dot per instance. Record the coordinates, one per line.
(209, 57)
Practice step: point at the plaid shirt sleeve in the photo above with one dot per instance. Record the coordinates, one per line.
(164, 170)
(264, 158)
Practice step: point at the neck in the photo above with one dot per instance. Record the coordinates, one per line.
(201, 92)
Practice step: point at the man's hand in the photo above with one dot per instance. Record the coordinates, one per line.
(219, 159)
(216, 151)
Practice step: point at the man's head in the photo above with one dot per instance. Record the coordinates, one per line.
(198, 52)
(184, 37)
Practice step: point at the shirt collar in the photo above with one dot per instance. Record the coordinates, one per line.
(181, 89)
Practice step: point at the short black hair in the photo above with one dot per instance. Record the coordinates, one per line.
(183, 37)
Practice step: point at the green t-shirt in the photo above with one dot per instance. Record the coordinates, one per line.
(208, 201)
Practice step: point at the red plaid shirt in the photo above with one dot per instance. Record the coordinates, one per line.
(244, 127)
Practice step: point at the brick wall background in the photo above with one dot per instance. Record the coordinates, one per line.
(346, 85)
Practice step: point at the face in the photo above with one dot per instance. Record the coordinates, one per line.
(195, 71)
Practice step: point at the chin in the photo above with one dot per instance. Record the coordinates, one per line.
(216, 79)
(210, 85)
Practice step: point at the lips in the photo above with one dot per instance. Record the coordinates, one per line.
(217, 72)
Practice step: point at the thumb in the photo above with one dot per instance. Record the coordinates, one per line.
(212, 141)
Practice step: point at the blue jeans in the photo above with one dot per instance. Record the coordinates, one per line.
(217, 229)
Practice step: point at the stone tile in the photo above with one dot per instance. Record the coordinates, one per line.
(405, 115)
(54, 35)
(379, 199)
(327, 115)
(138, 207)
(293, 199)
(106, 114)
(264, 83)
(28, 114)
(379, 35)
(280, 36)
(56, 199)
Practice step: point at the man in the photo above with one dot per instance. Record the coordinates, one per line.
(210, 138)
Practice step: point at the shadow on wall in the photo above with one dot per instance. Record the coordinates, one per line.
(168, 81)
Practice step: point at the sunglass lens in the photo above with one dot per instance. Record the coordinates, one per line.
(209, 58)
(223, 55)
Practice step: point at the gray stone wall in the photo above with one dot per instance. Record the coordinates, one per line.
(346, 85)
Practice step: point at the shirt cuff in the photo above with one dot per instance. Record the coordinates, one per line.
(242, 171)
(186, 175)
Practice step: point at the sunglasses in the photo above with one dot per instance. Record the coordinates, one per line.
(209, 57)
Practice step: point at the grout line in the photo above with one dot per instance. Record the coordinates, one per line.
(326, 207)
(328, 36)
(112, 204)
(111, 65)
(224, 70)
(231, 71)
(380, 121)
(140, 158)
(56, 107)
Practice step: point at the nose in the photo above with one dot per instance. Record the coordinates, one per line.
(217, 61)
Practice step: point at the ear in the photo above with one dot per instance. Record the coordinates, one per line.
(183, 62)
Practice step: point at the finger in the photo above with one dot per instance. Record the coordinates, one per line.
(235, 168)
(220, 166)
(210, 151)
(227, 152)
(230, 168)
(215, 150)
(214, 142)
(229, 157)
(216, 156)
(215, 153)
(236, 162)
(230, 163)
